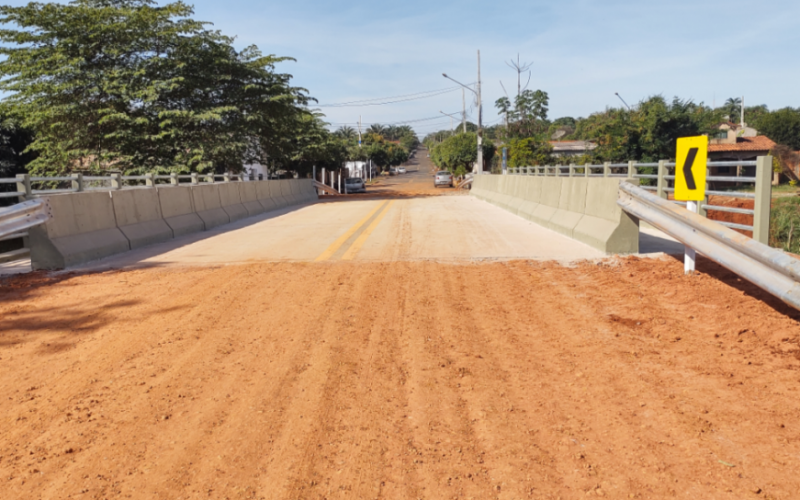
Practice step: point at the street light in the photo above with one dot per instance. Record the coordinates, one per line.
(480, 112)
(623, 100)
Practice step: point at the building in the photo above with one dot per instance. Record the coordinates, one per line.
(737, 143)
(567, 149)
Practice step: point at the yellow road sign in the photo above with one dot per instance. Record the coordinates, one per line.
(690, 168)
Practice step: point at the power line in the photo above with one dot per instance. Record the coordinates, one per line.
(389, 100)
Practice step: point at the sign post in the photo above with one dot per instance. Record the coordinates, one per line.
(691, 164)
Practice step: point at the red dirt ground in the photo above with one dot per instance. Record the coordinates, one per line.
(623, 379)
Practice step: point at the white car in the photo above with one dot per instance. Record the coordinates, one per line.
(401, 170)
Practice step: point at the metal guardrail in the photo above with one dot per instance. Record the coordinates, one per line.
(665, 178)
(14, 220)
(765, 267)
(465, 182)
(325, 188)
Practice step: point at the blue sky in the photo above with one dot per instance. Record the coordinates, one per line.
(582, 51)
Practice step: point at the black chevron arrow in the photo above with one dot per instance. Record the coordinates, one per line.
(687, 169)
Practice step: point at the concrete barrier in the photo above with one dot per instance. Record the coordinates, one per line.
(287, 193)
(230, 201)
(178, 211)
(248, 192)
(83, 228)
(309, 192)
(265, 196)
(208, 206)
(582, 208)
(276, 193)
(138, 216)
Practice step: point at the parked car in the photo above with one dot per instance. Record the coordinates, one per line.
(355, 185)
(392, 171)
(401, 170)
(443, 178)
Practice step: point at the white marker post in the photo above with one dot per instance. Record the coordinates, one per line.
(689, 256)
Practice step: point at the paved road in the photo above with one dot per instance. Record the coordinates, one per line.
(401, 218)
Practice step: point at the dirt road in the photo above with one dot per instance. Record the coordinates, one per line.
(398, 380)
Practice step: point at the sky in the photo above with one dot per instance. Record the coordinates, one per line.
(582, 52)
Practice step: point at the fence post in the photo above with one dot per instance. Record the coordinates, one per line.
(116, 181)
(226, 177)
(24, 186)
(149, 180)
(586, 169)
(763, 203)
(558, 170)
(572, 170)
(77, 182)
(173, 178)
(661, 182)
(631, 169)
(606, 169)
(195, 180)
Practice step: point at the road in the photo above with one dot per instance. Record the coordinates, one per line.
(397, 378)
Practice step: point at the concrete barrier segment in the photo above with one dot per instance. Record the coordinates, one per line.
(231, 202)
(208, 206)
(248, 193)
(177, 210)
(276, 194)
(264, 196)
(138, 215)
(83, 228)
(288, 193)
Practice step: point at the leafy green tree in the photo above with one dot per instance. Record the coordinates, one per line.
(129, 85)
(782, 126)
(733, 107)
(529, 152)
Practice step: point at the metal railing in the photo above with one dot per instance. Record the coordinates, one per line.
(28, 186)
(768, 268)
(664, 178)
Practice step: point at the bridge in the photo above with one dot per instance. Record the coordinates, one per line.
(525, 338)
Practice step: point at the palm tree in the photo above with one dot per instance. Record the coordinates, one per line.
(376, 128)
(346, 132)
(733, 106)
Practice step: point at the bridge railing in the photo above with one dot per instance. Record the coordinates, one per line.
(660, 178)
(28, 186)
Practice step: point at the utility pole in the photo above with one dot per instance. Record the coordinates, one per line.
(480, 119)
(359, 131)
(463, 110)
(742, 111)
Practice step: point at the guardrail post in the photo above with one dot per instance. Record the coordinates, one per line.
(195, 179)
(572, 170)
(210, 178)
(149, 181)
(763, 203)
(24, 186)
(226, 177)
(116, 181)
(661, 182)
(173, 178)
(586, 169)
(606, 169)
(77, 182)
(558, 170)
(631, 169)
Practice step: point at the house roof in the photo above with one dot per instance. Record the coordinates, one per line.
(757, 143)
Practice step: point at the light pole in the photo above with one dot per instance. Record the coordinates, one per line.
(623, 100)
(480, 112)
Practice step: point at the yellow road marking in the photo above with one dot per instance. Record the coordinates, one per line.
(362, 238)
(327, 254)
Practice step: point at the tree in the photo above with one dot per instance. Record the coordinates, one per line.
(529, 152)
(782, 126)
(460, 152)
(129, 85)
(346, 132)
(733, 107)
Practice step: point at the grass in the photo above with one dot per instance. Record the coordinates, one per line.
(784, 228)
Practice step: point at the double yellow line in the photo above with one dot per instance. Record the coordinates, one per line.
(351, 252)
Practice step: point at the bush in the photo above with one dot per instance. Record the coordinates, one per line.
(784, 229)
